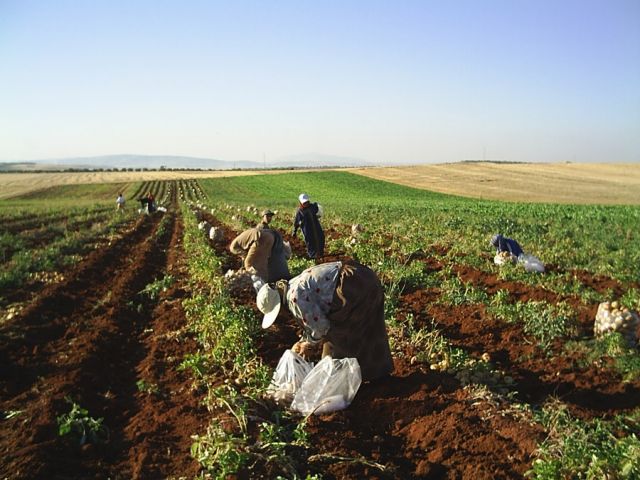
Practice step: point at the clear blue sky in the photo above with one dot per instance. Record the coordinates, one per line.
(386, 81)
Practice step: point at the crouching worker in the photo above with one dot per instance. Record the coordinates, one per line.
(504, 244)
(508, 249)
(339, 305)
(263, 251)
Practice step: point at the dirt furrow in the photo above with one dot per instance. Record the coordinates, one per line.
(590, 391)
(106, 339)
(62, 351)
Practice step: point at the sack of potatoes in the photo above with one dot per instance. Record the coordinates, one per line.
(502, 258)
(613, 317)
(238, 282)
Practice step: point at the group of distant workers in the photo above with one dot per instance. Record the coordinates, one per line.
(147, 202)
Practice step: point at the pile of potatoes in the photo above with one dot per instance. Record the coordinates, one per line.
(238, 282)
(503, 258)
(613, 317)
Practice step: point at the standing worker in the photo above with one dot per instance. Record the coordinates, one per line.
(120, 202)
(151, 203)
(307, 220)
(340, 304)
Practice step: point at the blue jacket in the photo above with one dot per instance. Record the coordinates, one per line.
(504, 244)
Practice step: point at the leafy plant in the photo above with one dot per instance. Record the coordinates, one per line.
(592, 450)
(147, 387)
(79, 424)
(154, 289)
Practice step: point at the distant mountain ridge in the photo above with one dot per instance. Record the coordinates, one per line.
(308, 160)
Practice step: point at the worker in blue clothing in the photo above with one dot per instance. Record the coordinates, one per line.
(307, 220)
(504, 244)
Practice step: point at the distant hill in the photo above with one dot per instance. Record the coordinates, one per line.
(318, 160)
(309, 160)
(130, 161)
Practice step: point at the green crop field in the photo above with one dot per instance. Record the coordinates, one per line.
(498, 373)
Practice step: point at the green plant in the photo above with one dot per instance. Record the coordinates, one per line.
(147, 387)
(626, 359)
(196, 362)
(541, 320)
(455, 292)
(154, 289)
(591, 450)
(79, 424)
(220, 452)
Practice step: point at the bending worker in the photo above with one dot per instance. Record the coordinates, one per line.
(339, 305)
(263, 251)
(504, 244)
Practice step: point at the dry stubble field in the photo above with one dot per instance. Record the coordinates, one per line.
(611, 184)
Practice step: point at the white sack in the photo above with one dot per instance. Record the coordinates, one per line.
(288, 376)
(330, 386)
(531, 263)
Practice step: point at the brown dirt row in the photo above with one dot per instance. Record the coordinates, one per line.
(92, 338)
(589, 391)
(35, 286)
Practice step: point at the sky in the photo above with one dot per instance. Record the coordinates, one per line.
(395, 81)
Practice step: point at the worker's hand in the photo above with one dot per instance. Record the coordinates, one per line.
(307, 350)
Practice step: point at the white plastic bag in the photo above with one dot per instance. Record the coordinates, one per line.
(330, 386)
(531, 263)
(292, 369)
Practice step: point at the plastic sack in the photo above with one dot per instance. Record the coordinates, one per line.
(162, 209)
(531, 263)
(330, 386)
(292, 369)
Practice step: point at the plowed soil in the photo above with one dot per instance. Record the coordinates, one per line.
(94, 337)
(91, 339)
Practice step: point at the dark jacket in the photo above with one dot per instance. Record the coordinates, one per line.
(278, 267)
(504, 244)
(307, 220)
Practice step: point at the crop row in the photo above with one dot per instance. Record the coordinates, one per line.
(390, 242)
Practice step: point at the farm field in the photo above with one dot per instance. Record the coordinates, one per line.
(582, 183)
(575, 183)
(125, 353)
(17, 184)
